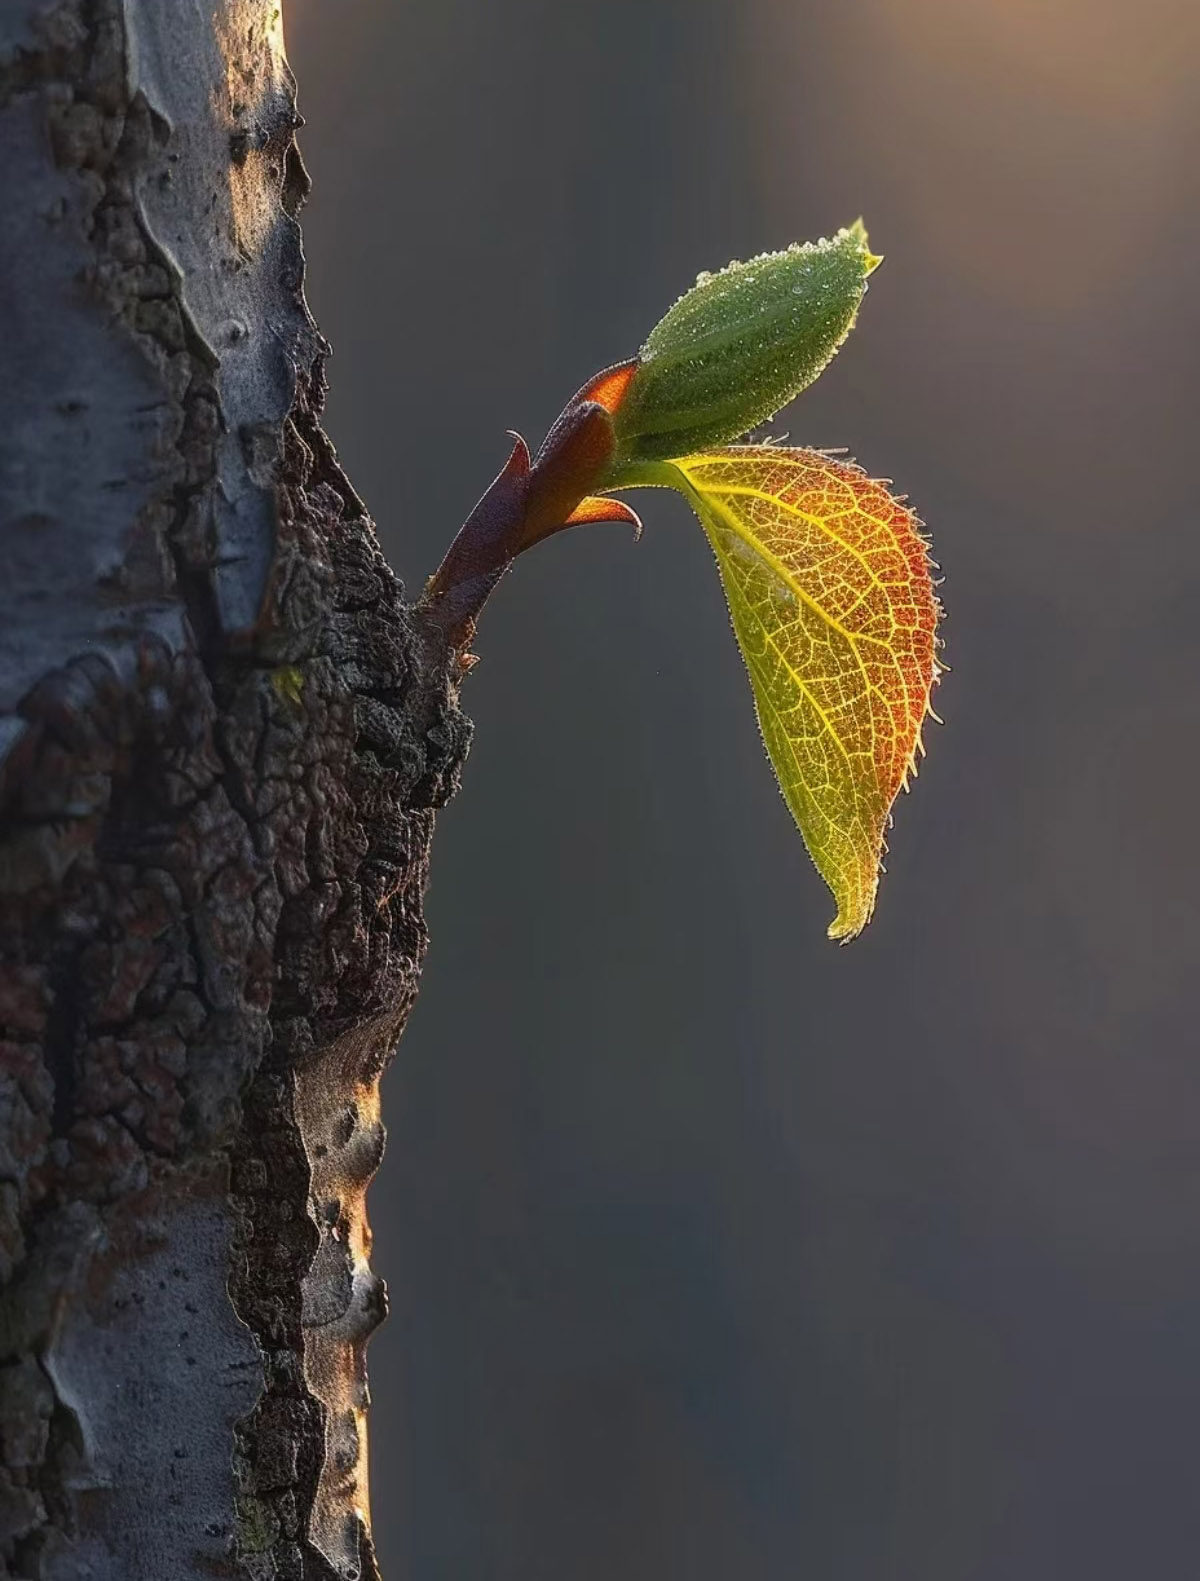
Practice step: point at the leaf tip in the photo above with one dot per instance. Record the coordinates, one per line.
(870, 260)
(847, 925)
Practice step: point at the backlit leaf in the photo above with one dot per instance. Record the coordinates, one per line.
(829, 587)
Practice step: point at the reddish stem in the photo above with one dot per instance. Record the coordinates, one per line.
(528, 502)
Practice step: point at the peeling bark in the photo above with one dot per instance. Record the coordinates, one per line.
(223, 738)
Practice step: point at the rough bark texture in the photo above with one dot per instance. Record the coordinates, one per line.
(223, 736)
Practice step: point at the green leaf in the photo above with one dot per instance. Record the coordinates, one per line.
(740, 345)
(829, 589)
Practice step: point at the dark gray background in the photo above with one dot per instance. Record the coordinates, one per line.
(716, 1251)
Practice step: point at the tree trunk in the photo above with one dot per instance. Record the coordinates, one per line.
(223, 736)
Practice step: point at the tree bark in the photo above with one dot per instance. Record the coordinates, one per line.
(223, 737)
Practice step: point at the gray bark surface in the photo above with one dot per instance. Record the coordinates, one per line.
(223, 738)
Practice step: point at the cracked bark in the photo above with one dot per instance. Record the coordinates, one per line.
(223, 738)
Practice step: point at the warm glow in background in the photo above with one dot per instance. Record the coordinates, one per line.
(717, 1253)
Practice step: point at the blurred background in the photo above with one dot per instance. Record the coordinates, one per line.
(714, 1250)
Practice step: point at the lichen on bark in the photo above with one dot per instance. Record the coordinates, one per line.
(223, 738)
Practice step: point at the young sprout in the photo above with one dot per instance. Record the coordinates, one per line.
(827, 575)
